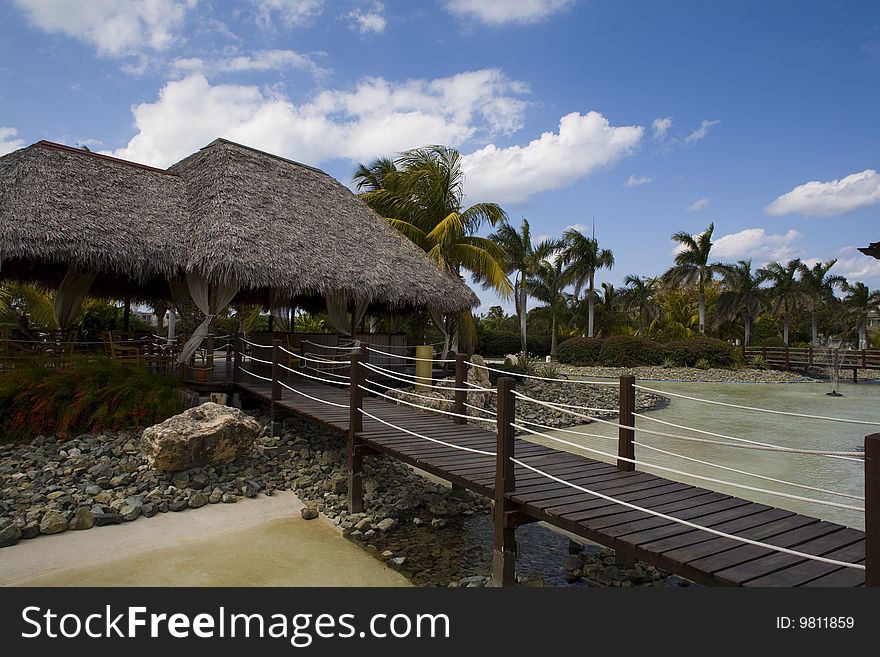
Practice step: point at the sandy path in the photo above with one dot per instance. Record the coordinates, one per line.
(255, 542)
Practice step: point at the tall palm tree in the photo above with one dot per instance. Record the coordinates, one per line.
(421, 194)
(741, 295)
(692, 265)
(817, 288)
(783, 290)
(547, 285)
(640, 297)
(521, 258)
(859, 303)
(611, 316)
(582, 257)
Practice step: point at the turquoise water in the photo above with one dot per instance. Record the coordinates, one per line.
(860, 401)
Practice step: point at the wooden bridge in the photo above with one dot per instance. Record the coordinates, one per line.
(705, 536)
(804, 358)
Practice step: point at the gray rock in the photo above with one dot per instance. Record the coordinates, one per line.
(108, 519)
(82, 519)
(386, 524)
(438, 523)
(397, 561)
(177, 505)
(10, 535)
(198, 500)
(53, 523)
(308, 513)
(229, 498)
(207, 434)
(30, 530)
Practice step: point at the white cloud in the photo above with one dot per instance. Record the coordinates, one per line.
(856, 266)
(815, 198)
(756, 245)
(260, 60)
(699, 204)
(115, 28)
(635, 181)
(372, 20)
(291, 13)
(8, 141)
(700, 133)
(377, 117)
(583, 144)
(661, 127)
(499, 12)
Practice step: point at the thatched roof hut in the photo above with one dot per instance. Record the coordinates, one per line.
(872, 250)
(228, 212)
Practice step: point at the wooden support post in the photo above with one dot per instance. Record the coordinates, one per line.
(126, 313)
(460, 395)
(504, 554)
(810, 356)
(355, 445)
(625, 437)
(236, 363)
(787, 360)
(872, 510)
(764, 353)
(276, 388)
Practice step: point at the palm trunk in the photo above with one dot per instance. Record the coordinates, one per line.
(553, 338)
(785, 329)
(590, 308)
(702, 304)
(747, 329)
(863, 336)
(522, 316)
(814, 320)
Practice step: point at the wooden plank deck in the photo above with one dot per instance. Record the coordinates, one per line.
(692, 553)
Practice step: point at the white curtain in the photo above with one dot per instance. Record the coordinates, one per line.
(440, 321)
(279, 306)
(200, 292)
(337, 309)
(70, 296)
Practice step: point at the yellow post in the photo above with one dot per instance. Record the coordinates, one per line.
(424, 367)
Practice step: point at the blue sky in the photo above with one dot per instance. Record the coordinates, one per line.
(650, 117)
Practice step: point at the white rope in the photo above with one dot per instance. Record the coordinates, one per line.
(309, 376)
(393, 375)
(327, 346)
(260, 360)
(257, 376)
(543, 378)
(482, 410)
(326, 373)
(686, 523)
(748, 474)
(587, 408)
(317, 399)
(858, 457)
(427, 360)
(682, 473)
(762, 410)
(433, 440)
(407, 392)
(474, 385)
(765, 448)
(254, 344)
(423, 408)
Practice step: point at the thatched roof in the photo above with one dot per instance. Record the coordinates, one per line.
(872, 250)
(228, 212)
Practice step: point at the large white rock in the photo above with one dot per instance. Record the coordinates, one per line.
(478, 376)
(207, 434)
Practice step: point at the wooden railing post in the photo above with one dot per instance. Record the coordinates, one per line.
(872, 510)
(355, 445)
(460, 395)
(504, 553)
(236, 363)
(276, 388)
(625, 437)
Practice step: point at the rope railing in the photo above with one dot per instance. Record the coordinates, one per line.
(409, 392)
(426, 360)
(687, 523)
(852, 456)
(412, 380)
(256, 376)
(259, 360)
(337, 348)
(255, 344)
(317, 399)
(309, 376)
(479, 387)
(872, 423)
(682, 473)
(481, 410)
(541, 378)
(428, 438)
(424, 408)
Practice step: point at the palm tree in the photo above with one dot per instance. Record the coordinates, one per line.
(610, 315)
(640, 297)
(492, 320)
(421, 194)
(783, 290)
(522, 258)
(860, 302)
(741, 296)
(692, 265)
(582, 257)
(547, 285)
(817, 288)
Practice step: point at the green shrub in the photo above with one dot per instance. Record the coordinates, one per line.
(687, 352)
(550, 371)
(668, 363)
(629, 351)
(89, 394)
(579, 351)
(757, 362)
(702, 364)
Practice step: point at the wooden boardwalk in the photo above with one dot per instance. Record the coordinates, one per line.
(692, 553)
